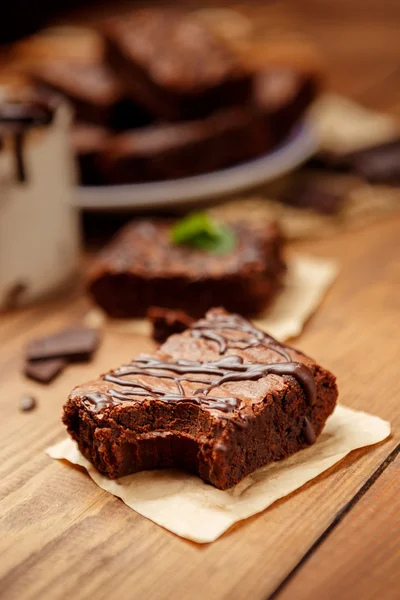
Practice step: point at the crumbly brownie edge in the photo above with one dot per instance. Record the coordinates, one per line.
(223, 453)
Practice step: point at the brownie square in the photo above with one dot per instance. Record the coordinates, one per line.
(173, 65)
(142, 268)
(218, 400)
(174, 150)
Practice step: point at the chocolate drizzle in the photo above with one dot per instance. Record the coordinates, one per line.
(15, 119)
(211, 375)
(253, 337)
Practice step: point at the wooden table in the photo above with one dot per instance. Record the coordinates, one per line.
(337, 537)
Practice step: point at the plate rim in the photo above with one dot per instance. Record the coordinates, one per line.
(300, 145)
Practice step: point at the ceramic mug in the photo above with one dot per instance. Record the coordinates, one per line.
(39, 226)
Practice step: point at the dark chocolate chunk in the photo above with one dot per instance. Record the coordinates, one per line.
(74, 344)
(27, 403)
(313, 195)
(44, 371)
(378, 164)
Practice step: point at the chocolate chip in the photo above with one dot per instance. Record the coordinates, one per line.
(27, 403)
(44, 371)
(74, 344)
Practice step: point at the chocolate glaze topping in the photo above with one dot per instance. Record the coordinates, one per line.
(227, 369)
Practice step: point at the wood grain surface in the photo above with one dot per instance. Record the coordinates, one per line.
(63, 537)
(360, 558)
(338, 536)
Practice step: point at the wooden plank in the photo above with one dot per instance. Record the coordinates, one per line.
(61, 536)
(361, 558)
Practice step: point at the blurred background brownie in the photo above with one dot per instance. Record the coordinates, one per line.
(173, 65)
(227, 137)
(162, 93)
(142, 267)
(174, 150)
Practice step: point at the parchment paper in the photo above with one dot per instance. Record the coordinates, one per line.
(306, 283)
(192, 509)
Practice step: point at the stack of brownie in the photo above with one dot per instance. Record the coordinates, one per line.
(173, 99)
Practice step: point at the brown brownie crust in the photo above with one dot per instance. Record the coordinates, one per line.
(166, 322)
(173, 65)
(273, 418)
(142, 268)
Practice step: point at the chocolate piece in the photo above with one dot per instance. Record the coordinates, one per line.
(27, 403)
(310, 194)
(142, 268)
(173, 65)
(74, 344)
(170, 151)
(378, 164)
(167, 322)
(241, 401)
(44, 371)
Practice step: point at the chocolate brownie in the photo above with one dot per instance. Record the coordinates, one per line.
(218, 400)
(173, 65)
(142, 268)
(174, 150)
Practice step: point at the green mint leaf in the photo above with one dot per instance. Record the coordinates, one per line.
(198, 230)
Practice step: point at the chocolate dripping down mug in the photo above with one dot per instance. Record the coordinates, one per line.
(39, 229)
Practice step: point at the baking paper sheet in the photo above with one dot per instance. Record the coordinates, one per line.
(195, 510)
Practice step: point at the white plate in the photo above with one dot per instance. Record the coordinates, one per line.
(301, 144)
